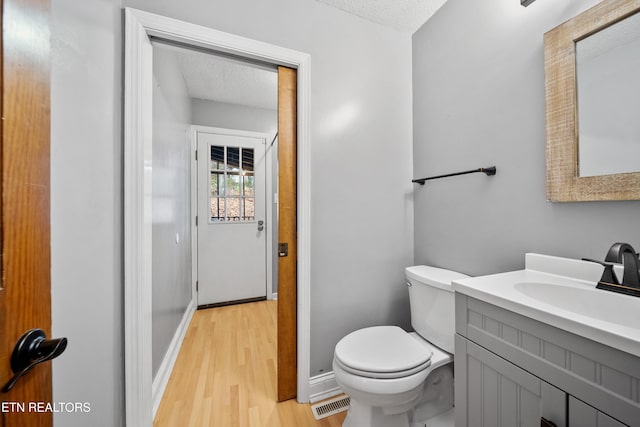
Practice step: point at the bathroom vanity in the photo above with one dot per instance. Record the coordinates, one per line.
(543, 347)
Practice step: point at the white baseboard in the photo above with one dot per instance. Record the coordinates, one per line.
(272, 296)
(323, 386)
(166, 367)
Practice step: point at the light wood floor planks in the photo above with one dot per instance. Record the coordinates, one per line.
(225, 374)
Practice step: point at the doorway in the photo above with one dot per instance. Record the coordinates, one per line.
(232, 228)
(210, 189)
(140, 27)
(224, 108)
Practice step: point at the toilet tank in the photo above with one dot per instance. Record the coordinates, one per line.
(432, 304)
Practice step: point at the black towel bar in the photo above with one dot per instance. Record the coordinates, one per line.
(489, 171)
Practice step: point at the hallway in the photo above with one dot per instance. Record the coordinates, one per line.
(225, 374)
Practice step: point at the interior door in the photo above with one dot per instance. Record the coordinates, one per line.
(25, 301)
(231, 217)
(287, 233)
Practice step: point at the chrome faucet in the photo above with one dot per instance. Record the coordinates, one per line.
(623, 253)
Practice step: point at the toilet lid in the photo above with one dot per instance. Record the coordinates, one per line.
(385, 350)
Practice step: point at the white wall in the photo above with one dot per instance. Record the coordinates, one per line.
(362, 213)
(234, 116)
(86, 209)
(171, 200)
(479, 100)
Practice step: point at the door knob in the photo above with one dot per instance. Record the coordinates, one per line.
(32, 348)
(260, 225)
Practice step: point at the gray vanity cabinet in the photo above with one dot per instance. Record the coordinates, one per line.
(498, 393)
(584, 415)
(512, 371)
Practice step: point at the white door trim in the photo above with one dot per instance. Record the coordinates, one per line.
(268, 199)
(139, 26)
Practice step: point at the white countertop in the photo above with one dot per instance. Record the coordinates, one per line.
(561, 292)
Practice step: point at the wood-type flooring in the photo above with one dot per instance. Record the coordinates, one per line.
(225, 374)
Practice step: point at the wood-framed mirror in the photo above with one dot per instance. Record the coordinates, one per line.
(614, 173)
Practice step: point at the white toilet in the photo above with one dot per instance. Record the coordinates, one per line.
(400, 379)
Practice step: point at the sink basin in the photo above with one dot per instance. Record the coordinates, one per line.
(562, 292)
(586, 301)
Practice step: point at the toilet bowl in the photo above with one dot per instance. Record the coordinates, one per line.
(400, 379)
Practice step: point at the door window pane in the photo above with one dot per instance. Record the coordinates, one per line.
(217, 184)
(233, 209)
(217, 209)
(233, 159)
(248, 182)
(247, 159)
(249, 209)
(233, 184)
(217, 157)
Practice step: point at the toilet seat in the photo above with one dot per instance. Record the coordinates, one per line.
(382, 352)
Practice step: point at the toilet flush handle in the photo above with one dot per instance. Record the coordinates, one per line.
(409, 284)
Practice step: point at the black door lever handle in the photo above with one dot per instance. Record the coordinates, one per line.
(32, 348)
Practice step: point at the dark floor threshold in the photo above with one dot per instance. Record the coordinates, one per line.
(235, 302)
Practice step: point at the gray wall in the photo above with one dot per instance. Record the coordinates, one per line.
(362, 209)
(171, 200)
(478, 91)
(86, 209)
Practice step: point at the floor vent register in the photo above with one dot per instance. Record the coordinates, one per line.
(330, 407)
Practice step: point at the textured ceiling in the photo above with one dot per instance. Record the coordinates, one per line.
(403, 15)
(228, 80)
(222, 79)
